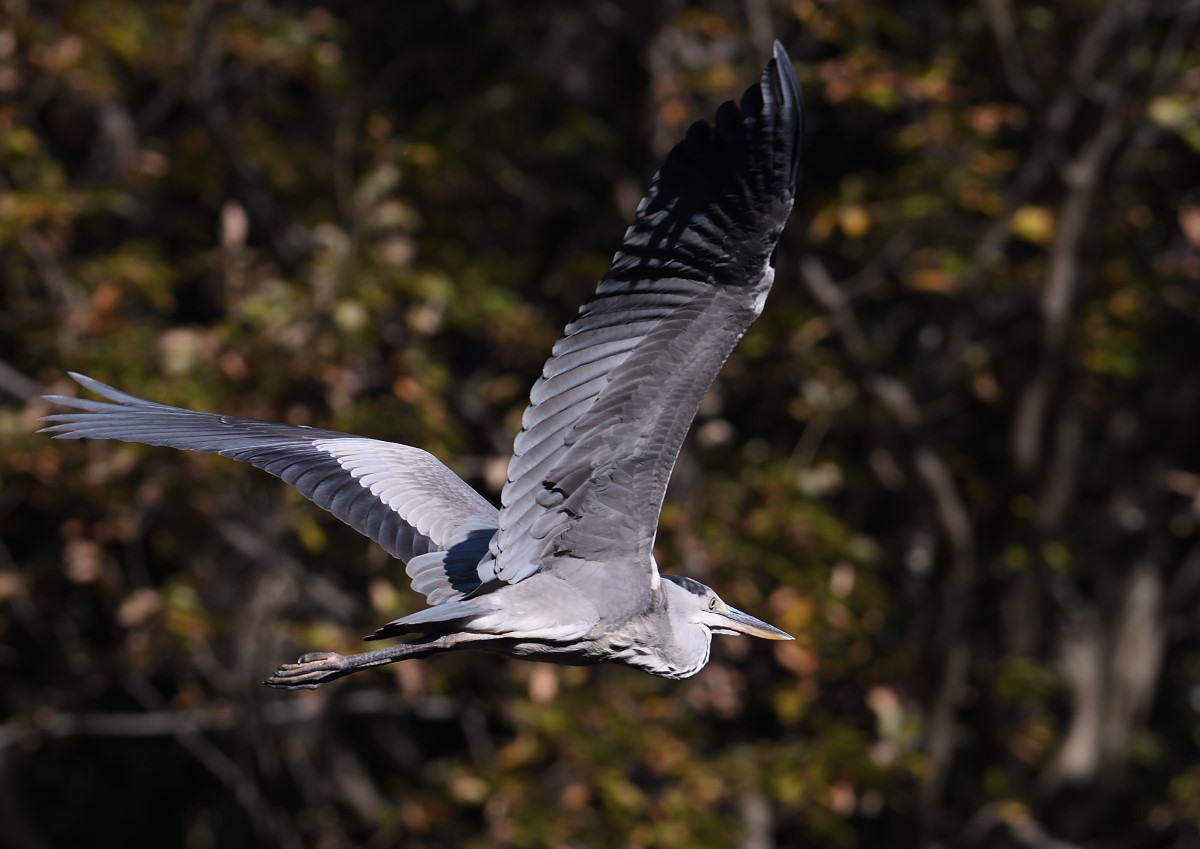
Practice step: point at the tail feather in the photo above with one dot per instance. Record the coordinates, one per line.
(454, 611)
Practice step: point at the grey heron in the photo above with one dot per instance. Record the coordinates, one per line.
(563, 571)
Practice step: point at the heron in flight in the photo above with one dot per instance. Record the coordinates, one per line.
(564, 570)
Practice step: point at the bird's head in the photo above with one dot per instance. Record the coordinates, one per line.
(702, 606)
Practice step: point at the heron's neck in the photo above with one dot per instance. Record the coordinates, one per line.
(680, 647)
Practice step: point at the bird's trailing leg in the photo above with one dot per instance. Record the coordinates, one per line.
(316, 668)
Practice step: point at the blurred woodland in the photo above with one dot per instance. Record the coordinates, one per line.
(958, 456)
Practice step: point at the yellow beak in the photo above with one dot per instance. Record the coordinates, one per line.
(736, 622)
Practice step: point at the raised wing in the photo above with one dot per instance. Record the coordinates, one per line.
(402, 497)
(609, 414)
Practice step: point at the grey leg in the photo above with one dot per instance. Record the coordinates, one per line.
(316, 668)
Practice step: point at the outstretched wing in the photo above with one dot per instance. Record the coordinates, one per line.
(609, 414)
(402, 497)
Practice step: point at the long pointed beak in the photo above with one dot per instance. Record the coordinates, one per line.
(744, 623)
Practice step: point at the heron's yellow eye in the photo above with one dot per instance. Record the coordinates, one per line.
(712, 603)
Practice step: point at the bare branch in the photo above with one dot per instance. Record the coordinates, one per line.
(825, 291)
(1180, 32)
(290, 242)
(1015, 823)
(937, 482)
(266, 819)
(999, 18)
(17, 384)
(1082, 177)
(226, 716)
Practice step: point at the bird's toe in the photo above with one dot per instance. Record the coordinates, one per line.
(315, 657)
(308, 672)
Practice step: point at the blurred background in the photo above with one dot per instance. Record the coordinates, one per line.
(958, 456)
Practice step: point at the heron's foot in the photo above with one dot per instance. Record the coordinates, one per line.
(310, 671)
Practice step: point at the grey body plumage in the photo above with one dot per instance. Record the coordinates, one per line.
(563, 571)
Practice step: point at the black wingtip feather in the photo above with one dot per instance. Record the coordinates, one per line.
(780, 72)
(742, 170)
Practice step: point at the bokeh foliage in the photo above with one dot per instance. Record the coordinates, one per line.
(956, 457)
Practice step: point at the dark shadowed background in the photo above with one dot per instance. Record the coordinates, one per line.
(958, 457)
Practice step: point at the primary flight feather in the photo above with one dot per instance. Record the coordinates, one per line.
(563, 571)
